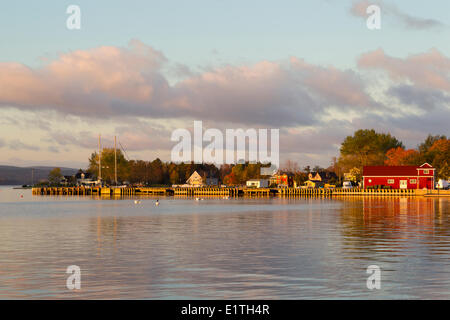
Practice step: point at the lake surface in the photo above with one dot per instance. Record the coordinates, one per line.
(264, 248)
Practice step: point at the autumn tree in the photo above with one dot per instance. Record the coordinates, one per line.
(230, 179)
(157, 170)
(424, 147)
(174, 177)
(401, 157)
(354, 175)
(225, 170)
(439, 153)
(139, 172)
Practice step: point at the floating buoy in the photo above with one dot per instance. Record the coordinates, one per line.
(157, 203)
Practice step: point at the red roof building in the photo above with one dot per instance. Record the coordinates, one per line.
(282, 180)
(399, 177)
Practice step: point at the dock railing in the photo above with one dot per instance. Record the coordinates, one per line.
(230, 191)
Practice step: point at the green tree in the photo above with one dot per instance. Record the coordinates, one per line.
(55, 176)
(107, 161)
(366, 147)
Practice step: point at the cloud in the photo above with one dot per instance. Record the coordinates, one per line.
(112, 82)
(53, 149)
(427, 99)
(429, 70)
(411, 21)
(124, 91)
(137, 137)
(359, 8)
(335, 87)
(90, 82)
(264, 93)
(19, 145)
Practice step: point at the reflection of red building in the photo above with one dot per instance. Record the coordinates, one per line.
(401, 213)
(399, 177)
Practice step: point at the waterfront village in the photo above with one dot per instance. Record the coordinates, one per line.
(368, 161)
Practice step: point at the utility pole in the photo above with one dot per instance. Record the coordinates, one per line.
(115, 159)
(99, 159)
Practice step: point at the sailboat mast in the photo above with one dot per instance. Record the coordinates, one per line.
(115, 159)
(99, 158)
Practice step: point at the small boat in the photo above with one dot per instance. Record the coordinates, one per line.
(137, 201)
(157, 203)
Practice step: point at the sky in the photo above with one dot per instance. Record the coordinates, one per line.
(141, 69)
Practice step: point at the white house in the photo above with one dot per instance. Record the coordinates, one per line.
(195, 179)
(258, 183)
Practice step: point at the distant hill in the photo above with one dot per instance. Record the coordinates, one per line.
(10, 175)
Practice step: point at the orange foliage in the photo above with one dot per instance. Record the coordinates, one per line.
(401, 157)
(441, 146)
(230, 179)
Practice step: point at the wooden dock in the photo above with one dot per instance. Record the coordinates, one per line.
(206, 191)
(231, 191)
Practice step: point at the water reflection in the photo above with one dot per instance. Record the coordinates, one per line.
(269, 248)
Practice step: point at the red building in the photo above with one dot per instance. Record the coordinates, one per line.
(282, 180)
(399, 177)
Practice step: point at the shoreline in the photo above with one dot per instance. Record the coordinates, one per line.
(233, 191)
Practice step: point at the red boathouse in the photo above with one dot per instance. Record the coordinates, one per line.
(399, 177)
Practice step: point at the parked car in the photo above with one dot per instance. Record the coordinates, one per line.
(347, 185)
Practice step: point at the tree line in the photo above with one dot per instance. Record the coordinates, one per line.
(363, 148)
(157, 172)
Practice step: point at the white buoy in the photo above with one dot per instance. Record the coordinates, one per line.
(157, 203)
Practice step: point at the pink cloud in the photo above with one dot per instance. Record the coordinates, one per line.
(428, 70)
(336, 86)
(85, 82)
(359, 9)
(116, 82)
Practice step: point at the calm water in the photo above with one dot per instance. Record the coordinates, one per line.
(232, 249)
